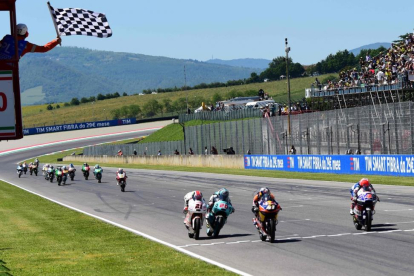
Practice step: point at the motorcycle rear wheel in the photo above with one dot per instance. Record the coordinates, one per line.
(272, 226)
(197, 228)
(262, 237)
(218, 225)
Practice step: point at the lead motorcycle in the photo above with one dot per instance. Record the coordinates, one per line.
(266, 219)
(364, 209)
(196, 212)
(24, 166)
(218, 217)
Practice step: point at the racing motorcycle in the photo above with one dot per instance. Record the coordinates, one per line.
(65, 175)
(121, 179)
(196, 212)
(364, 209)
(59, 176)
(98, 174)
(218, 217)
(33, 169)
(46, 173)
(85, 170)
(19, 170)
(72, 171)
(266, 219)
(24, 166)
(51, 174)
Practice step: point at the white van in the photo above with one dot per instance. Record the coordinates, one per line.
(260, 104)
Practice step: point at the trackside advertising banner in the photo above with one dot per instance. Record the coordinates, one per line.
(77, 126)
(393, 165)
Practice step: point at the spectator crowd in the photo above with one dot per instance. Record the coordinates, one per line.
(383, 69)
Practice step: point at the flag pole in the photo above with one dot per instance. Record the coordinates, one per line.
(54, 22)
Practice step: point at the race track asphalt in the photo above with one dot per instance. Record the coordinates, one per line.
(315, 234)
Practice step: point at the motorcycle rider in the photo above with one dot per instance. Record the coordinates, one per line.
(85, 165)
(363, 183)
(195, 195)
(257, 197)
(95, 168)
(120, 171)
(222, 194)
(36, 161)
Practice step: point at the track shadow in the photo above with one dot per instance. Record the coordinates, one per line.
(129, 192)
(287, 241)
(382, 229)
(383, 225)
(225, 236)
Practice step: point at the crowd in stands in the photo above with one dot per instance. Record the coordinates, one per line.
(385, 68)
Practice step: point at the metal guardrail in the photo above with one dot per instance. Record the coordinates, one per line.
(221, 115)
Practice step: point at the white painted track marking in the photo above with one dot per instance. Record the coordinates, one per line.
(194, 255)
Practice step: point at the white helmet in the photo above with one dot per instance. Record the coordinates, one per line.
(21, 29)
(64, 167)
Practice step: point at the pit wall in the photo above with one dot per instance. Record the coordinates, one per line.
(210, 161)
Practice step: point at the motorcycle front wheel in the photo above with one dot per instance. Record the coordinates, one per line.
(197, 228)
(368, 220)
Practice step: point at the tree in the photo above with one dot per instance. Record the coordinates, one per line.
(151, 108)
(180, 105)
(124, 94)
(133, 111)
(167, 105)
(217, 97)
(116, 95)
(100, 97)
(49, 107)
(84, 100)
(66, 104)
(92, 98)
(57, 106)
(74, 101)
(116, 113)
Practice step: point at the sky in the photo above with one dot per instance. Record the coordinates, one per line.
(227, 29)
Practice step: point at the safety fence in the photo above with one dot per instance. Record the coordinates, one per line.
(221, 115)
(375, 129)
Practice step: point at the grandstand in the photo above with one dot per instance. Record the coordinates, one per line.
(385, 78)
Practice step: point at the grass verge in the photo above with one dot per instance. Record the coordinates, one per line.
(39, 237)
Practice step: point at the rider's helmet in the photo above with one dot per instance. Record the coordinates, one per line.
(71, 165)
(51, 167)
(223, 194)
(364, 183)
(22, 30)
(121, 171)
(97, 166)
(264, 191)
(198, 195)
(64, 167)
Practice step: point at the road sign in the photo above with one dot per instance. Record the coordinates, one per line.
(7, 112)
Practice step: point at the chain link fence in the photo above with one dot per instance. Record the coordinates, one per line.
(375, 129)
(221, 115)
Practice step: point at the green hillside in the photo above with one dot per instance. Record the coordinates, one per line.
(82, 72)
(101, 110)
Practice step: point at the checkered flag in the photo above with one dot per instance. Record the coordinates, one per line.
(71, 21)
